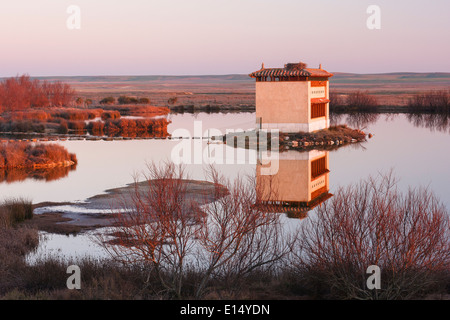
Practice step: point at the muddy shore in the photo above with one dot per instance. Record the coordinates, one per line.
(98, 211)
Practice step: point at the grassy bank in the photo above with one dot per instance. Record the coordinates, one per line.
(14, 211)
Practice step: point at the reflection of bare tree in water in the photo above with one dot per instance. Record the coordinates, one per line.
(432, 121)
(336, 118)
(130, 128)
(359, 120)
(45, 174)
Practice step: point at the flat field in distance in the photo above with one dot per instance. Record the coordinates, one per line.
(390, 89)
(238, 90)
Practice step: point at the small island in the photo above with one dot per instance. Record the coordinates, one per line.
(329, 138)
(332, 136)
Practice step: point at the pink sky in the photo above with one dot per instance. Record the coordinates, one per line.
(177, 37)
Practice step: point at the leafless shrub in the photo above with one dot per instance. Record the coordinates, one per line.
(433, 121)
(361, 120)
(336, 100)
(432, 102)
(361, 100)
(372, 223)
(21, 93)
(175, 238)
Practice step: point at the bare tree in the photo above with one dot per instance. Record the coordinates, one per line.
(241, 234)
(361, 100)
(220, 238)
(372, 223)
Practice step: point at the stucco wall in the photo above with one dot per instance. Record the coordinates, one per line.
(283, 102)
(286, 106)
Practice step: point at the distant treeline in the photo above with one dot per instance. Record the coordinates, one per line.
(22, 93)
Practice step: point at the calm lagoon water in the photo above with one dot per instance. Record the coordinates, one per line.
(418, 157)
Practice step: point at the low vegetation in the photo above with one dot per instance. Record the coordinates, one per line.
(33, 106)
(405, 234)
(14, 211)
(242, 251)
(334, 135)
(22, 93)
(144, 121)
(108, 100)
(430, 102)
(32, 155)
(356, 101)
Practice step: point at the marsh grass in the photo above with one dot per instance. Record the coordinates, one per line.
(14, 211)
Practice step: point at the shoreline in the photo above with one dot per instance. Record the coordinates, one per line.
(9, 136)
(330, 138)
(98, 211)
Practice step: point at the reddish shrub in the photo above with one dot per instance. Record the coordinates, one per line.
(22, 93)
(63, 127)
(25, 154)
(110, 115)
(96, 128)
(77, 125)
(360, 99)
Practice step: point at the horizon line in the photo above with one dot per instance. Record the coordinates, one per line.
(212, 74)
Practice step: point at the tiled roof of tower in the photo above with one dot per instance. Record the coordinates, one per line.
(284, 72)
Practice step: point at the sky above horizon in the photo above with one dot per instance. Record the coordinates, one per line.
(199, 37)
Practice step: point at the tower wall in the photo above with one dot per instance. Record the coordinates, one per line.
(286, 105)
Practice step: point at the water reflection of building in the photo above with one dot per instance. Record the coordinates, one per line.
(300, 184)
